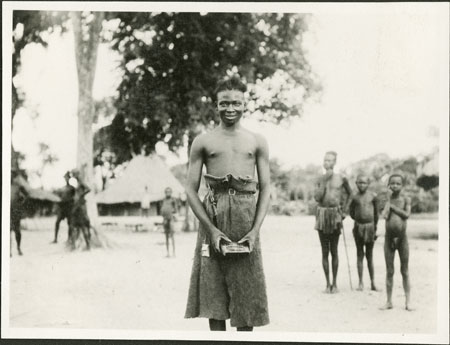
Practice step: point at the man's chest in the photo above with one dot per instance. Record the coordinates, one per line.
(335, 182)
(230, 149)
(399, 202)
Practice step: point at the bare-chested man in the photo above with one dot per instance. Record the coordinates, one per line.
(79, 217)
(233, 286)
(364, 211)
(396, 212)
(19, 196)
(333, 193)
(67, 193)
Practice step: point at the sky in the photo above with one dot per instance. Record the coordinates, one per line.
(385, 87)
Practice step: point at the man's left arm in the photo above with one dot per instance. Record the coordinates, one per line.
(262, 167)
(348, 199)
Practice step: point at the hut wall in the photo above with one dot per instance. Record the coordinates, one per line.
(126, 209)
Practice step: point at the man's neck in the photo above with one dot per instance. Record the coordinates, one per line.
(396, 194)
(230, 129)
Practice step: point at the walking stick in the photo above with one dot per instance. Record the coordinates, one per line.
(346, 254)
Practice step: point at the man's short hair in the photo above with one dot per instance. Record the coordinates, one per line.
(168, 189)
(231, 83)
(396, 175)
(333, 153)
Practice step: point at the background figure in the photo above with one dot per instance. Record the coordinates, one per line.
(168, 210)
(396, 212)
(67, 194)
(332, 192)
(145, 203)
(19, 195)
(79, 217)
(364, 210)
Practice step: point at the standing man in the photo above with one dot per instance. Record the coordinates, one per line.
(79, 216)
(333, 194)
(233, 286)
(67, 193)
(19, 195)
(145, 203)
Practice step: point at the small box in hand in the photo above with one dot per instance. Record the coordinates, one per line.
(233, 248)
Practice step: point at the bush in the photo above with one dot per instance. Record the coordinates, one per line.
(288, 208)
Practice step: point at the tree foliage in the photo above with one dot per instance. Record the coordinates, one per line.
(172, 62)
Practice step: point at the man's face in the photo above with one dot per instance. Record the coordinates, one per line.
(362, 182)
(231, 106)
(168, 193)
(395, 184)
(329, 161)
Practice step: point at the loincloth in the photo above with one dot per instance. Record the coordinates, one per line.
(328, 219)
(232, 288)
(396, 240)
(168, 226)
(364, 233)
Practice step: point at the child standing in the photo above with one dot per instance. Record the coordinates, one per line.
(364, 211)
(168, 211)
(396, 213)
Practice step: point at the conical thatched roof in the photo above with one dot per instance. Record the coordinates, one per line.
(142, 171)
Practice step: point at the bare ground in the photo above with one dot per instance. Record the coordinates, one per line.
(134, 286)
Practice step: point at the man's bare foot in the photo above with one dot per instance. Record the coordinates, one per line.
(328, 289)
(167, 256)
(334, 289)
(20, 252)
(360, 287)
(387, 306)
(408, 307)
(373, 288)
(54, 241)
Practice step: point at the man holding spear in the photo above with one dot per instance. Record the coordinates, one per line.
(333, 194)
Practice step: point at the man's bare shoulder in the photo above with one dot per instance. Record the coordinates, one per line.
(260, 140)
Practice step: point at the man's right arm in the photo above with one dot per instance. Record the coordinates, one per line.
(192, 186)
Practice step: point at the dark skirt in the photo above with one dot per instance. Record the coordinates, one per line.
(229, 287)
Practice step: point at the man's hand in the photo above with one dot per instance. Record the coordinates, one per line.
(216, 237)
(250, 238)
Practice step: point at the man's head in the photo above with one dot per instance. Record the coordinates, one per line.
(329, 160)
(395, 183)
(230, 100)
(362, 182)
(168, 192)
(67, 176)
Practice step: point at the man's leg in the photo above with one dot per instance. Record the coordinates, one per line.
(59, 218)
(172, 235)
(389, 255)
(18, 237)
(404, 261)
(86, 235)
(217, 325)
(359, 261)
(325, 245)
(167, 234)
(334, 259)
(369, 257)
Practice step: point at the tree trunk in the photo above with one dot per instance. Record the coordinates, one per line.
(86, 29)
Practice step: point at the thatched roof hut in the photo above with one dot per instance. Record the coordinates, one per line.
(123, 197)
